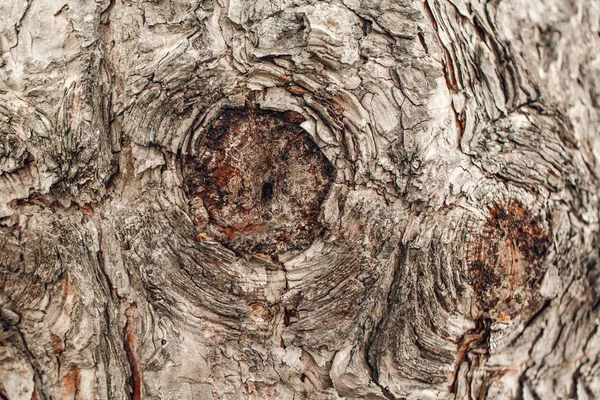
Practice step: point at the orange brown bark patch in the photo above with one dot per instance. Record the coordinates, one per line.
(130, 332)
(70, 384)
(57, 344)
(260, 180)
(505, 259)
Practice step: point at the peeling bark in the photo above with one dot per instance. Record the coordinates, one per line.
(299, 199)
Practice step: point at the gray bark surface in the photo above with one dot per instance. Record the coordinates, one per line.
(299, 199)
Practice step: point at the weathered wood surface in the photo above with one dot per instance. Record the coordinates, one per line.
(246, 199)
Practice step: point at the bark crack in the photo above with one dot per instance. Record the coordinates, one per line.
(372, 335)
(130, 336)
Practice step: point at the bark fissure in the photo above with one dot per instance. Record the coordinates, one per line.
(283, 200)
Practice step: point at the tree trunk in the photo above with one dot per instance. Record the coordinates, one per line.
(259, 199)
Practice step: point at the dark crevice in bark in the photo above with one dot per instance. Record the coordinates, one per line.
(371, 355)
(108, 343)
(523, 376)
(129, 335)
(105, 15)
(532, 320)
(19, 24)
(475, 339)
(21, 344)
(448, 65)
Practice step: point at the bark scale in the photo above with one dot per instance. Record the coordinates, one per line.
(296, 199)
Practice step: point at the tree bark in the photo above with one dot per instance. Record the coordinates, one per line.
(299, 199)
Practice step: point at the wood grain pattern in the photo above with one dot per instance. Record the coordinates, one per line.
(432, 232)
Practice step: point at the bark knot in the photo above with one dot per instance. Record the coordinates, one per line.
(505, 259)
(257, 181)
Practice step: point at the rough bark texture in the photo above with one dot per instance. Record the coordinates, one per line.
(245, 199)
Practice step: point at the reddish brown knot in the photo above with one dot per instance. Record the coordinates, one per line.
(505, 259)
(257, 181)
